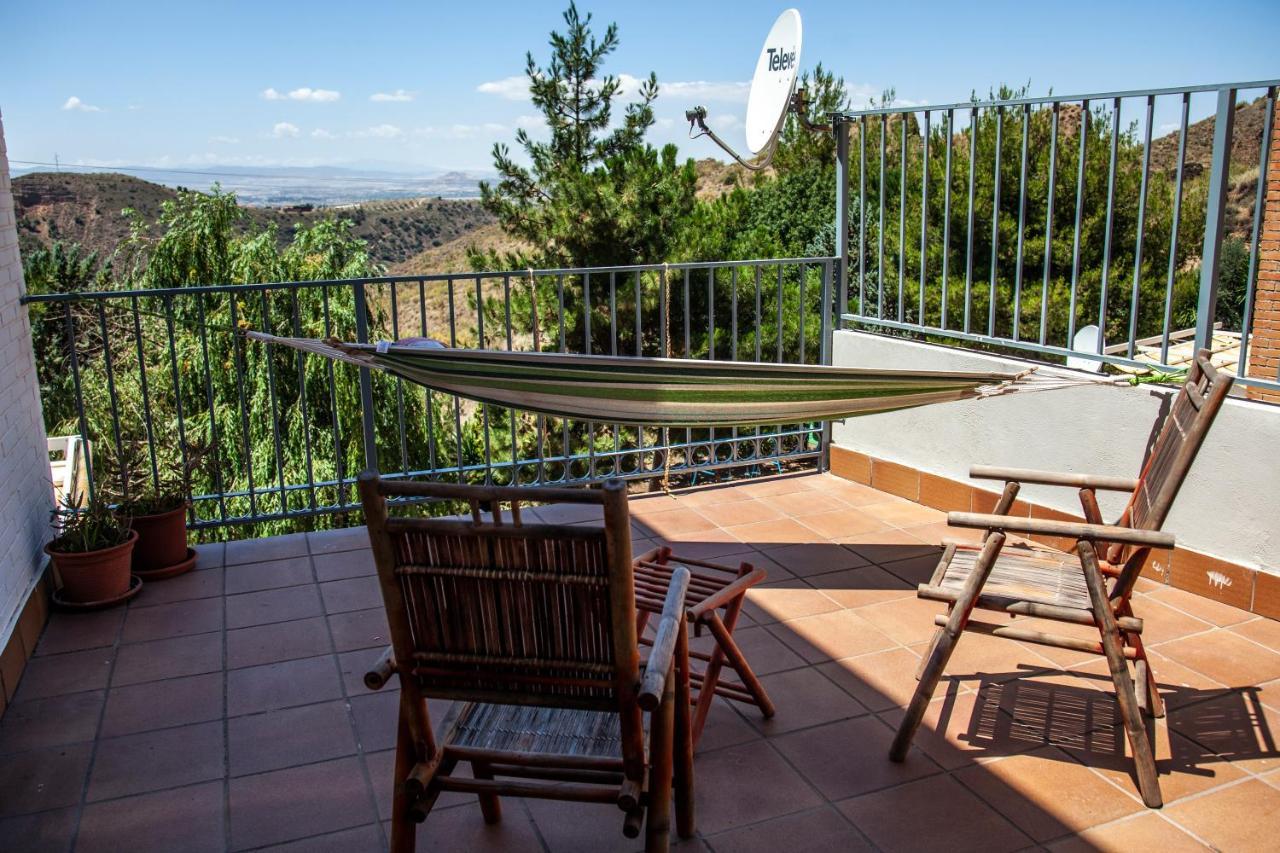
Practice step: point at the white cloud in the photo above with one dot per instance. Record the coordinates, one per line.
(283, 129)
(512, 88)
(224, 140)
(398, 96)
(531, 122)
(321, 133)
(460, 131)
(380, 131)
(74, 103)
(304, 93)
(725, 121)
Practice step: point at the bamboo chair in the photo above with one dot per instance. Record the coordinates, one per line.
(531, 628)
(715, 599)
(1092, 586)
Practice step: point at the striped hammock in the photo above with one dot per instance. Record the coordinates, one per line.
(656, 391)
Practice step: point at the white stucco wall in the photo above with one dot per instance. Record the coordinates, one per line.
(26, 497)
(1227, 507)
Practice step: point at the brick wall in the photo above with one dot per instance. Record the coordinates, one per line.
(27, 496)
(1264, 349)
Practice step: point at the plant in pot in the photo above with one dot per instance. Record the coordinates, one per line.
(92, 553)
(157, 512)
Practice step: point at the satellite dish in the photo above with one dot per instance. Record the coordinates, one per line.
(1087, 339)
(773, 82)
(772, 94)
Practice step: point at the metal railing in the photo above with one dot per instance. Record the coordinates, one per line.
(158, 380)
(1013, 223)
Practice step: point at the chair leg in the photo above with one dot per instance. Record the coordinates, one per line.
(683, 745)
(725, 641)
(1151, 700)
(944, 644)
(403, 827)
(490, 807)
(933, 644)
(657, 828)
(1112, 645)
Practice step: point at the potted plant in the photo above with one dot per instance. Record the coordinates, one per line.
(158, 514)
(92, 552)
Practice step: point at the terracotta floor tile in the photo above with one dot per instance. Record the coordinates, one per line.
(160, 704)
(42, 832)
(766, 534)
(728, 791)
(189, 819)
(802, 505)
(803, 698)
(831, 636)
(1234, 725)
(1261, 630)
(72, 672)
(1148, 831)
(854, 494)
(1239, 817)
(776, 486)
(854, 588)
(1179, 685)
(53, 721)
(727, 726)
(577, 826)
(74, 632)
(359, 593)
(375, 716)
(43, 779)
(787, 599)
(821, 830)
(880, 680)
(936, 813)
(960, 728)
(729, 514)
(1225, 657)
(359, 839)
(361, 629)
(711, 544)
(814, 558)
(1046, 794)
(272, 605)
(302, 638)
(151, 761)
(1200, 607)
(680, 522)
(913, 571)
(1162, 623)
(463, 828)
(282, 685)
(209, 554)
(891, 545)
(342, 539)
(903, 513)
(978, 658)
(764, 652)
(278, 739)
(344, 564)
(851, 757)
(301, 801)
(842, 524)
(169, 658)
(206, 583)
(179, 619)
(907, 620)
(255, 577)
(261, 550)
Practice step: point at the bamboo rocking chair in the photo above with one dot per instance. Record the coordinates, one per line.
(531, 629)
(1091, 586)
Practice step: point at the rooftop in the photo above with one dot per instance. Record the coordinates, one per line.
(224, 710)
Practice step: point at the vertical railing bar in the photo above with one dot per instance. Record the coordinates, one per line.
(395, 335)
(70, 329)
(884, 121)
(213, 415)
(759, 318)
(840, 127)
(733, 314)
(613, 311)
(560, 318)
(484, 407)
(824, 357)
(457, 402)
(664, 311)
(1022, 220)
(146, 396)
(968, 251)
(370, 437)
(1246, 318)
(1106, 237)
(428, 396)
(946, 216)
(688, 352)
(1048, 223)
(511, 413)
(711, 313)
(924, 221)
(1215, 213)
(111, 395)
(639, 297)
(993, 290)
(302, 399)
(902, 222)
(1142, 221)
(779, 352)
(177, 393)
(862, 215)
(241, 359)
(802, 310)
(1083, 130)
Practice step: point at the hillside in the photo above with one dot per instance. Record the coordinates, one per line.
(86, 209)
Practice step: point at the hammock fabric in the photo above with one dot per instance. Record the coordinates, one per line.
(656, 391)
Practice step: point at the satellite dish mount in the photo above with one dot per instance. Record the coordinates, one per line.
(773, 96)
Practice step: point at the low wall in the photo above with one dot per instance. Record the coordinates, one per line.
(1226, 509)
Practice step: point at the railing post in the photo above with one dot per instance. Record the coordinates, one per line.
(366, 381)
(1215, 210)
(840, 127)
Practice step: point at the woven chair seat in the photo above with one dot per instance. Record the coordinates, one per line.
(531, 729)
(705, 587)
(1025, 574)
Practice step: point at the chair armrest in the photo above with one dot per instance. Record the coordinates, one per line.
(381, 671)
(728, 594)
(1051, 478)
(1074, 529)
(661, 656)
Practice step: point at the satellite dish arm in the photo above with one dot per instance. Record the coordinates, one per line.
(800, 106)
(697, 117)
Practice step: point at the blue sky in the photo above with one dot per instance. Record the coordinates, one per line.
(191, 84)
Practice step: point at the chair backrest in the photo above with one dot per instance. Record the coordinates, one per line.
(1183, 431)
(496, 610)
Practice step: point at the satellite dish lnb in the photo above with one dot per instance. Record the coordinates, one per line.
(775, 78)
(772, 88)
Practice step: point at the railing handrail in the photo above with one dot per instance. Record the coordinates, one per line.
(250, 287)
(1053, 99)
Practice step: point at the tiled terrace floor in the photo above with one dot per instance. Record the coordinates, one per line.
(225, 709)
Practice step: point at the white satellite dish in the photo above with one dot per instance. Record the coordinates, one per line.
(772, 94)
(773, 82)
(1086, 340)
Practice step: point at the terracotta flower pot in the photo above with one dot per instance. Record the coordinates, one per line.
(162, 540)
(94, 576)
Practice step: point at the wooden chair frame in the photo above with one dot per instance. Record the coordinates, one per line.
(716, 596)
(1110, 556)
(639, 781)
